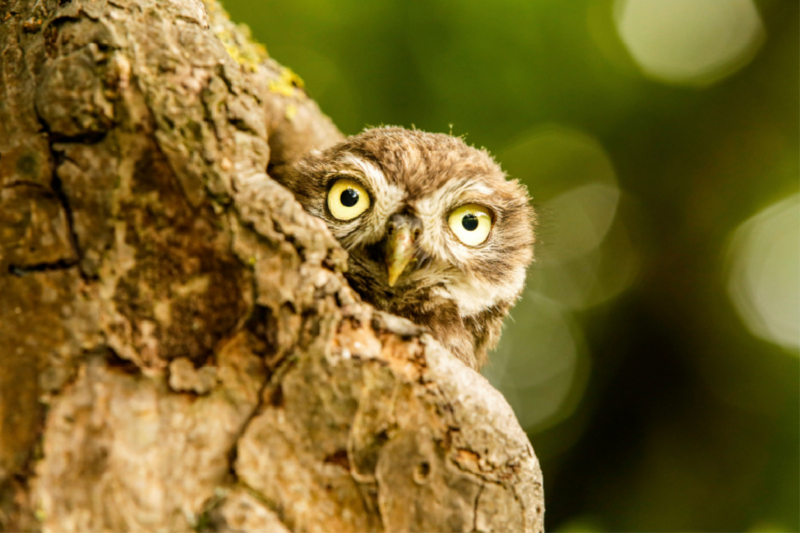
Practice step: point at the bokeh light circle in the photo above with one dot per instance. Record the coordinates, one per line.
(764, 274)
(689, 42)
(583, 257)
(583, 254)
(544, 374)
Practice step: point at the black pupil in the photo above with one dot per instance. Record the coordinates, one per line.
(470, 222)
(349, 197)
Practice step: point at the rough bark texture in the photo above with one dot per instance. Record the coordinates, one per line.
(178, 347)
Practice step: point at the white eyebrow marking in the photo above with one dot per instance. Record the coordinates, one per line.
(370, 171)
(482, 189)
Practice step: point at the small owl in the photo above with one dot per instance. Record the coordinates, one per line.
(434, 230)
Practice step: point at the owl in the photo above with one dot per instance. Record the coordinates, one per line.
(434, 231)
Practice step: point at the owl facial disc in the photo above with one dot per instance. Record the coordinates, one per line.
(402, 231)
(433, 229)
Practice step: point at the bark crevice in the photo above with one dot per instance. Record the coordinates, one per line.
(61, 264)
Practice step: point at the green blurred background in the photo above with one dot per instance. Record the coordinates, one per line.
(654, 357)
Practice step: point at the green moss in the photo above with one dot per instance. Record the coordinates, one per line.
(287, 84)
(236, 38)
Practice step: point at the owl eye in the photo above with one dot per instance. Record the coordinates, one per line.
(347, 199)
(471, 223)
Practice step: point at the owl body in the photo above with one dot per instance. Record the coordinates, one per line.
(434, 231)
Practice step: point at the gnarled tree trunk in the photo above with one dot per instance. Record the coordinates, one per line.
(178, 346)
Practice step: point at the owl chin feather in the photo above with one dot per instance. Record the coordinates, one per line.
(408, 255)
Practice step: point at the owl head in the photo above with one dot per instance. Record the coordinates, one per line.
(434, 230)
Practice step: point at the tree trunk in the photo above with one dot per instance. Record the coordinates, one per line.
(178, 346)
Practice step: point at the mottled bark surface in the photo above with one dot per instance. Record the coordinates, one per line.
(178, 347)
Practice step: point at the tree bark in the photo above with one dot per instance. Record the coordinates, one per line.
(179, 349)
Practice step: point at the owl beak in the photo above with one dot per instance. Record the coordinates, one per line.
(399, 252)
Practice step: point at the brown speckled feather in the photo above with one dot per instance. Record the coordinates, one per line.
(460, 293)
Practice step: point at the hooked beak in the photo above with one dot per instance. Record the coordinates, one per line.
(399, 251)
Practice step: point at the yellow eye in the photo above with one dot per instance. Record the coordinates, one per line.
(347, 199)
(471, 223)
